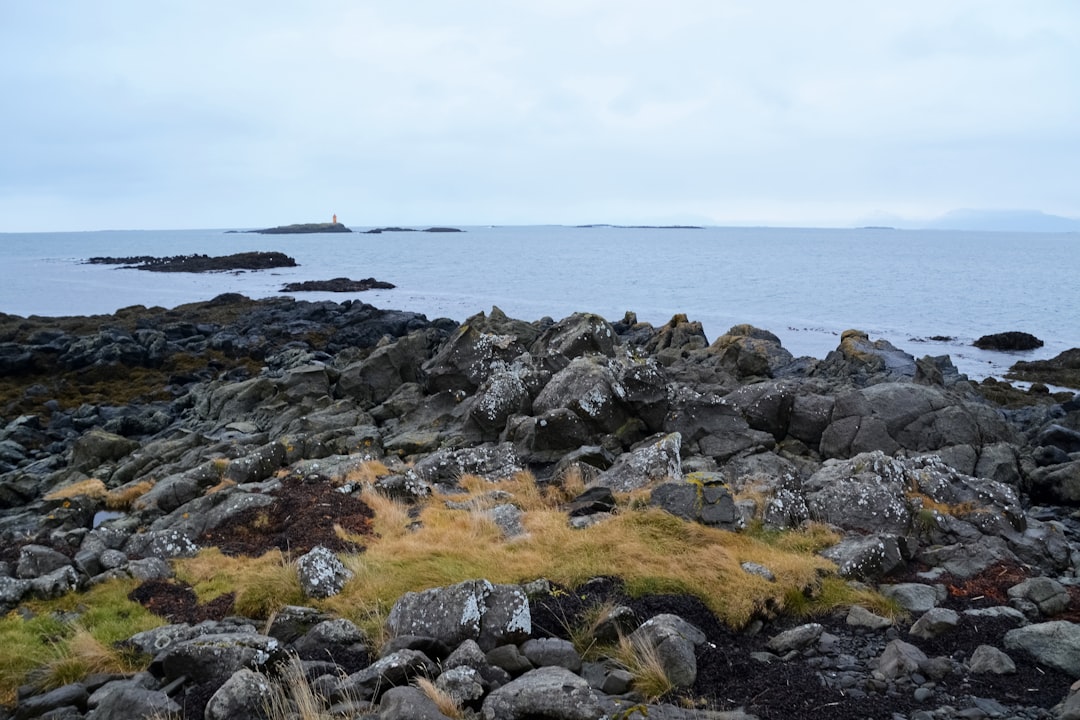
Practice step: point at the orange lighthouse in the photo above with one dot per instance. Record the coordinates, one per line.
(335, 218)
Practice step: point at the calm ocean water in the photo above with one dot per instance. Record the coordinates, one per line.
(805, 285)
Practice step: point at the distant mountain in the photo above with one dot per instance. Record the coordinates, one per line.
(1003, 220)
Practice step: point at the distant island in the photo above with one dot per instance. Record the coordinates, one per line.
(199, 263)
(338, 285)
(643, 227)
(376, 231)
(301, 229)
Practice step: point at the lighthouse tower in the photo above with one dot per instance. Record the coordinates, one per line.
(335, 218)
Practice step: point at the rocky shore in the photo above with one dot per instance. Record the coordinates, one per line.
(887, 539)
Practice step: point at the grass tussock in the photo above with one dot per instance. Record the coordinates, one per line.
(447, 704)
(368, 472)
(641, 659)
(123, 497)
(69, 637)
(90, 488)
(262, 585)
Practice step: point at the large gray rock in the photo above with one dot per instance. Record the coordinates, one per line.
(934, 622)
(866, 494)
(795, 639)
(552, 693)
(467, 358)
(866, 558)
(655, 460)
(709, 425)
(219, 655)
(747, 351)
(544, 652)
(473, 610)
(1048, 595)
(97, 446)
(1055, 643)
(914, 597)
(589, 388)
(136, 697)
(574, 336)
(396, 669)
(900, 659)
(37, 560)
(242, 697)
(987, 659)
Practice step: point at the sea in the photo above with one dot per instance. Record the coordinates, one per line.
(928, 292)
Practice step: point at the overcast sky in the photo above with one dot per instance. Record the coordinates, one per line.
(195, 114)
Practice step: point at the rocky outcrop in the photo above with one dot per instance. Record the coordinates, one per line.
(258, 415)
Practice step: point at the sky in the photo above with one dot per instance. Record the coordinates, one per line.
(127, 114)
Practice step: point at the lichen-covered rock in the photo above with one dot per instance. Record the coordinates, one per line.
(321, 573)
(242, 697)
(219, 655)
(574, 336)
(657, 459)
(473, 610)
(588, 387)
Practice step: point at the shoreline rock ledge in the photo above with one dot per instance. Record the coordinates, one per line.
(250, 426)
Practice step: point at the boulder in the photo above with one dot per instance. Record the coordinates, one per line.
(393, 670)
(467, 358)
(96, 447)
(656, 459)
(242, 697)
(476, 610)
(934, 622)
(574, 336)
(1055, 644)
(588, 387)
(217, 656)
(553, 693)
(747, 351)
(321, 573)
(1048, 595)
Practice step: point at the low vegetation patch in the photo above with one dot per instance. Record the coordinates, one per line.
(58, 641)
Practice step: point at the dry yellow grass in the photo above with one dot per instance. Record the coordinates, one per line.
(447, 704)
(368, 472)
(262, 585)
(124, 496)
(651, 550)
(91, 488)
(221, 485)
(642, 661)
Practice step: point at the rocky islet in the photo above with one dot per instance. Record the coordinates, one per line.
(961, 509)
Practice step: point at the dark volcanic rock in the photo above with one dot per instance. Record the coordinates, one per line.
(1064, 369)
(338, 285)
(200, 263)
(1008, 341)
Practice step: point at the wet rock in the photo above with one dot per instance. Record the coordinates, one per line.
(1012, 340)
